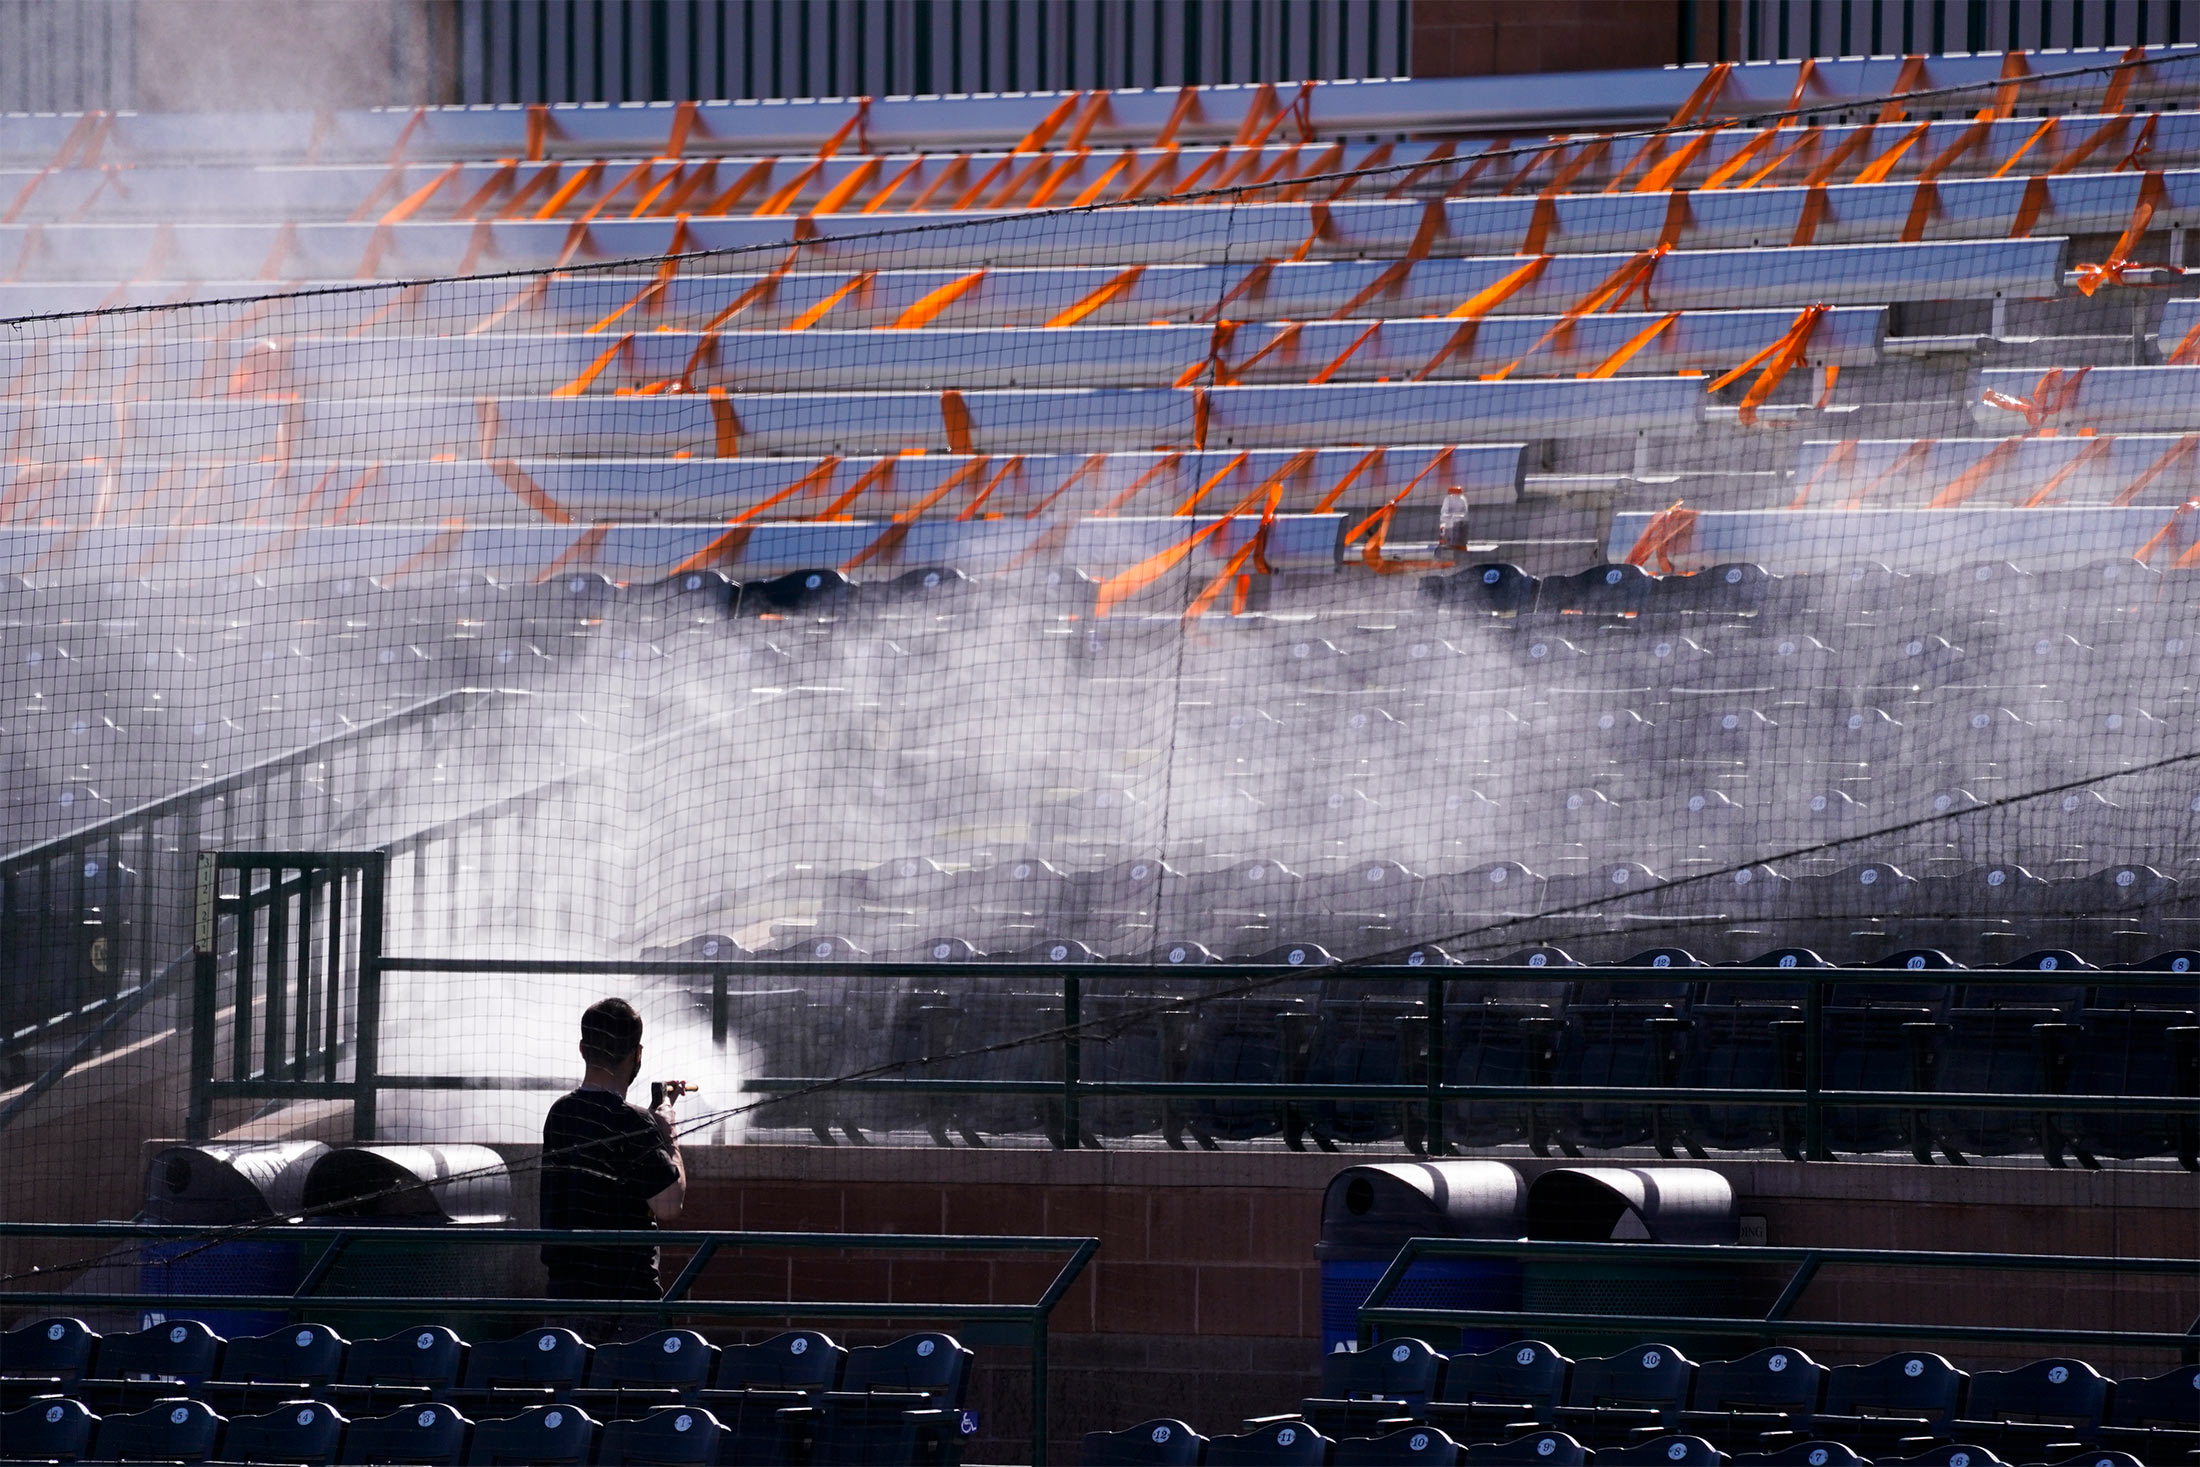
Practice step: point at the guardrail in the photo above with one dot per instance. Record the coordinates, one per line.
(88, 917)
(1806, 1102)
(1031, 1320)
(1777, 1322)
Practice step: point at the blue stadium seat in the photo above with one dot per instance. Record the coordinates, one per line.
(1954, 1454)
(297, 1431)
(426, 1355)
(552, 1435)
(304, 1354)
(659, 1368)
(172, 1430)
(538, 1360)
(1361, 1389)
(2040, 1409)
(671, 1436)
(182, 1350)
(2155, 1417)
(1679, 1451)
(56, 1349)
(1160, 1443)
(1890, 1400)
(1283, 1443)
(48, 1429)
(1737, 1403)
(1535, 1447)
(1481, 1393)
(798, 1360)
(1610, 1399)
(897, 1403)
(1805, 1454)
(1411, 1446)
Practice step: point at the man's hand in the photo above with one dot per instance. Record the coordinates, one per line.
(663, 1121)
(665, 1206)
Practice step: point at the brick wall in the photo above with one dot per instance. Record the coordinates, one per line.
(1483, 37)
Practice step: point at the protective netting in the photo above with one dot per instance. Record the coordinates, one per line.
(1769, 531)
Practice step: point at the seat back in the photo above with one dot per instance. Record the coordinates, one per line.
(296, 1431)
(59, 1347)
(166, 1431)
(1777, 1379)
(2046, 1390)
(1806, 1454)
(672, 1436)
(1666, 1451)
(1526, 1372)
(935, 1364)
(541, 1357)
(1414, 1446)
(1954, 1454)
(304, 1352)
(1393, 1370)
(799, 1360)
(679, 1359)
(1278, 1444)
(430, 1434)
(2169, 1399)
(540, 1436)
(1918, 1384)
(1651, 1375)
(428, 1355)
(179, 1349)
(1538, 1448)
(1162, 1443)
(50, 1429)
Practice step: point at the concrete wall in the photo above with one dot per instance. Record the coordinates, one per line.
(201, 55)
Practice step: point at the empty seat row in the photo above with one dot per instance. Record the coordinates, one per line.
(1649, 1403)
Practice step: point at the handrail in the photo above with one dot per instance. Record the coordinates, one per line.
(1775, 1322)
(235, 780)
(1033, 1317)
(1810, 1099)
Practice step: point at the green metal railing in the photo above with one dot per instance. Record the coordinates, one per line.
(1631, 1260)
(1008, 1323)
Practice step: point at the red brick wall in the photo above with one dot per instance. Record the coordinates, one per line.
(1482, 37)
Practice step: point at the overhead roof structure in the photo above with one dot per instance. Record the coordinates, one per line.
(1824, 304)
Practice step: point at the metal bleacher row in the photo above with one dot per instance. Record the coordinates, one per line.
(178, 1392)
(1398, 1403)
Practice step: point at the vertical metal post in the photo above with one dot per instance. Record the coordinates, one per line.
(1038, 1390)
(206, 957)
(240, 990)
(1434, 1063)
(275, 1041)
(718, 1008)
(332, 1032)
(1814, 1113)
(110, 919)
(305, 1027)
(1073, 1054)
(367, 1051)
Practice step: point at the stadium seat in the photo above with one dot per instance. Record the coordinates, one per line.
(1608, 1399)
(538, 1363)
(171, 1430)
(1893, 1399)
(1361, 1388)
(296, 1431)
(305, 1354)
(801, 1361)
(48, 1429)
(427, 1355)
(57, 1351)
(899, 1402)
(1955, 1454)
(1287, 1442)
(1411, 1445)
(2155, 1417)
(2037, 1410)
(2134, 1051)
(1759, 1397)
(1522, 1381)
(1804, 1454)
(671, 1436)
(554, 1435)
(131, 1369)
(1534, 1447)
(430, 1434)
(1683, 1451)
(1161, 1443)
(2099, 1459)
(659, 1368)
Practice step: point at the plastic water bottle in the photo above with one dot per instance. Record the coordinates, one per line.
(1451, 520)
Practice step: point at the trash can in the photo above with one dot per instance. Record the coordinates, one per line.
(410, 1186)
(218, 1187)
(1368, 1214)
(1595, 1204)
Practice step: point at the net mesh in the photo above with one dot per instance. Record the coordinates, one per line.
(1771, 531)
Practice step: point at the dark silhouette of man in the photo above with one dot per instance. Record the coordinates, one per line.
(608, 1165)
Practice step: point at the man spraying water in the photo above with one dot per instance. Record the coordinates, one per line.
(608, 1164)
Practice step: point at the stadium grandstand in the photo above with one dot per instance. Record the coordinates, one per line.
(1344, 732)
